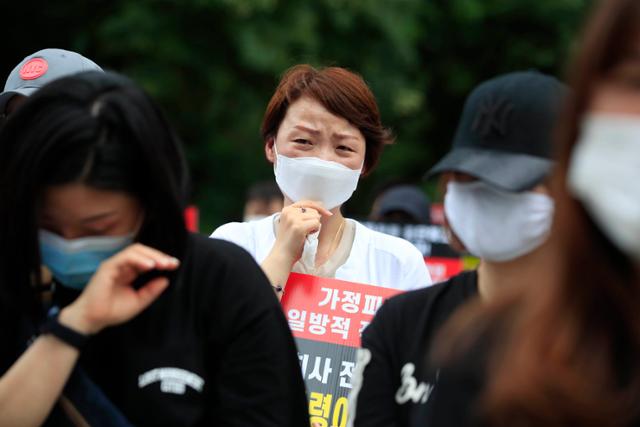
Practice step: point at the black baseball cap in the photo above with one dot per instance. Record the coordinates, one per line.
(408, 199)
(505, 134)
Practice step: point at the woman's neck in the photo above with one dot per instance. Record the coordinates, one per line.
(331, 227)
(495, 277)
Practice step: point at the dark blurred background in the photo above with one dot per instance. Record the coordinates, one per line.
(213, 65)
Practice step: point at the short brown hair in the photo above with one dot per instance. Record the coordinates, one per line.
(340, 91)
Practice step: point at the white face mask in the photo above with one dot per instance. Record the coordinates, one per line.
(497, 225)
(604, 174)
(311, 178)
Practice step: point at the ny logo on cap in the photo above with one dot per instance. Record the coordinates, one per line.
(492, 117)
(34, 68)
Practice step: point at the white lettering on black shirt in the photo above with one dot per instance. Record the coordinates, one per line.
(172, 380)
(410, 389)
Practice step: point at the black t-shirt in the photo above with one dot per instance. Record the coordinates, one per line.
(214, 349)
(397, 383)
(455, 401)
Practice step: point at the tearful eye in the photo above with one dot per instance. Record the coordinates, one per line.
(302, 141)
(345, 148)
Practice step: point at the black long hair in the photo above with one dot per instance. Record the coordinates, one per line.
(94, 128)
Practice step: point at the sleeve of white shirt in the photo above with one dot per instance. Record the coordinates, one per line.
(416, 274)
(238, 233)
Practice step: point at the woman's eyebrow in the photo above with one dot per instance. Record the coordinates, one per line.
(307, 129)
(344, 136)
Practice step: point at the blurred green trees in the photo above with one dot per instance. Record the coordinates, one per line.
(213, 64)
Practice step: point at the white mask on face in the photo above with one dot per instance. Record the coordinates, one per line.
(311, 178)
(604, 174)
(497, 225)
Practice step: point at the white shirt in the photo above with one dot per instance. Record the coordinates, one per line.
(375, 258)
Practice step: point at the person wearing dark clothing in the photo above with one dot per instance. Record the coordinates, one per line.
(565, 352)
(166, 327)
(397, 385)
(497, 208)
(403, 204)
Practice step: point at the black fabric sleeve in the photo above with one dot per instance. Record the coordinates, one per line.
(374, 403)
(259, 379)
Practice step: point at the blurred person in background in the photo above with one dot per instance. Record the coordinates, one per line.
(93, 183)
(497, 208)
(566, 352)
(322, 131)
(35, 71)
(402, 204)
(263, 199)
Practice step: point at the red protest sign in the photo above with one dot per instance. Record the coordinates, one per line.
(331, 310)
(327, 317)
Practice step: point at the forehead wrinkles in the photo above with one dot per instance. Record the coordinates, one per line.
(313, 115)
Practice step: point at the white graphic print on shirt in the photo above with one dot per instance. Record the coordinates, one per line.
(410, 389)
(172, 380)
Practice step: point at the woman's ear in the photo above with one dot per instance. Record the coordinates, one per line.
(268, 149)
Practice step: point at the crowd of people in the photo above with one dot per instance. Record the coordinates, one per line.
(113, 314)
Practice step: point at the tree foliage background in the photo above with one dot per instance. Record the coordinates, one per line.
(213, 65)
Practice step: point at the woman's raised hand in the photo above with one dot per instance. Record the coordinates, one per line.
(297, 221)
(110, 298)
